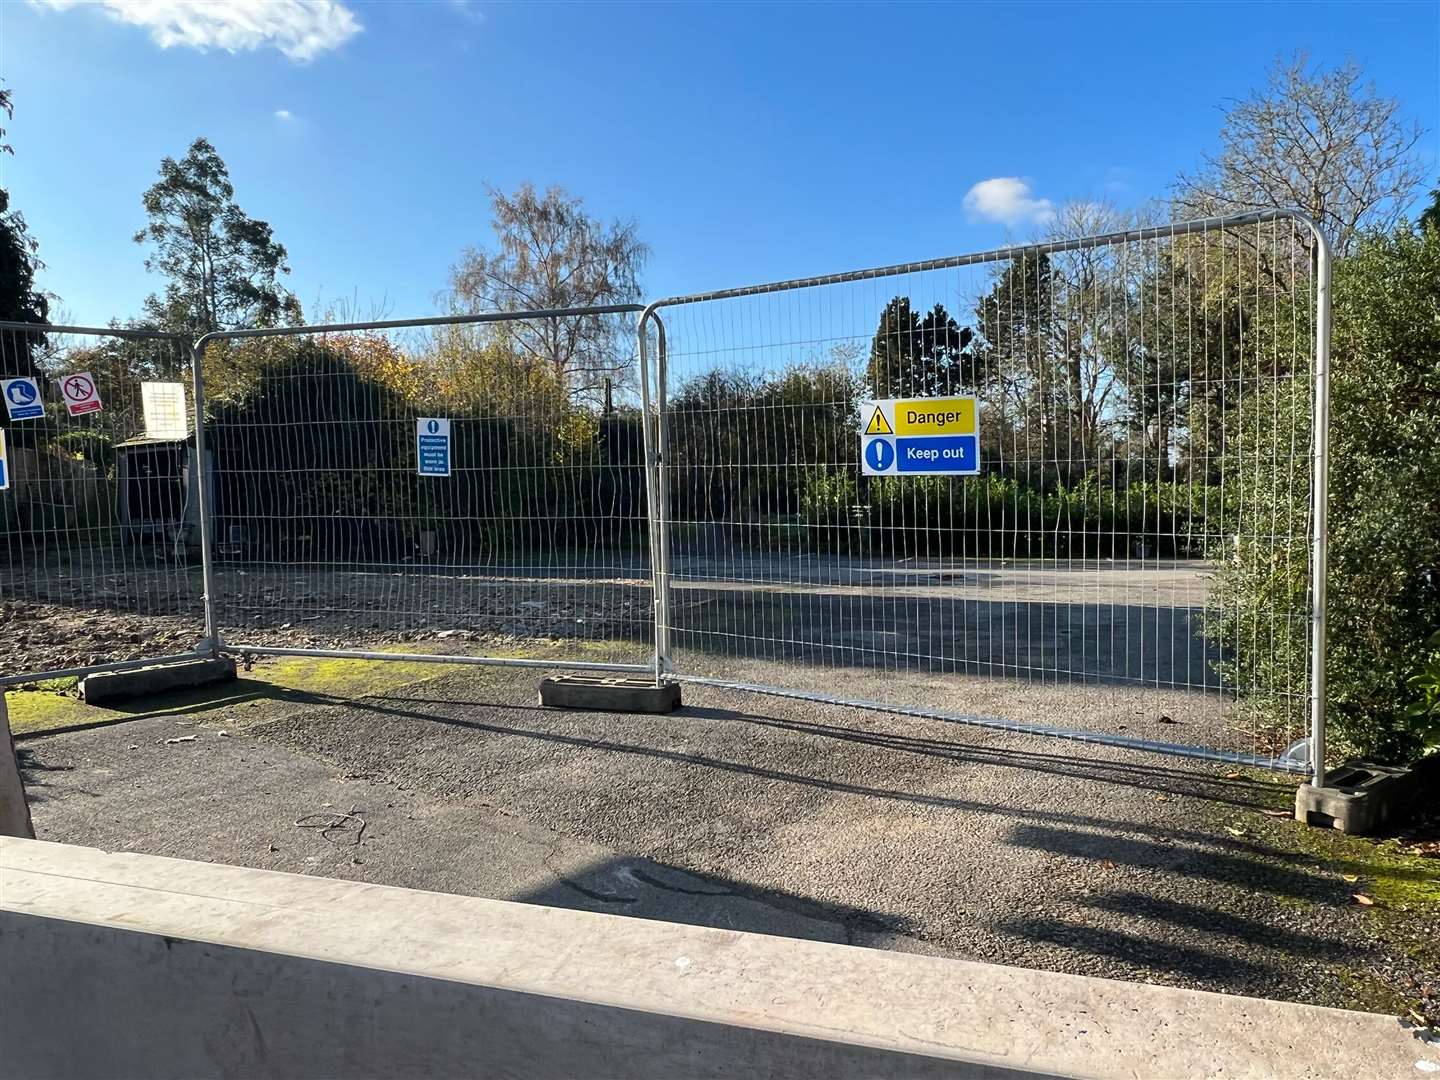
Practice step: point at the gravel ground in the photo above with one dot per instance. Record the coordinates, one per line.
(1052, 624)
(773, 815)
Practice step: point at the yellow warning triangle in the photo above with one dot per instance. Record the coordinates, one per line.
(878, 424)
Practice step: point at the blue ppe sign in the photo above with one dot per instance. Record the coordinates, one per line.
(432, 447)
(22, 399)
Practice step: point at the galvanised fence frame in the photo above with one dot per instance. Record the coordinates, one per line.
(737, 335)
(59, 554)
(247, 644)
(658, 416)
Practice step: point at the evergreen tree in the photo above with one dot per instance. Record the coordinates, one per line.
(912, 356)
(223, 266)
(20, 301)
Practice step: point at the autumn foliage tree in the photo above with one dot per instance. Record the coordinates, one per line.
(551, 254)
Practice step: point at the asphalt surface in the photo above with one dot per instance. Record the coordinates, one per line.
(760, 814)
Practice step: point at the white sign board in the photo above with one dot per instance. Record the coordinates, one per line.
(22, 399)
(164, 407)
(432, 446)
(80, 393)
(920, 436)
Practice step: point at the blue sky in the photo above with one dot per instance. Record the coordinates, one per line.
(749, 142)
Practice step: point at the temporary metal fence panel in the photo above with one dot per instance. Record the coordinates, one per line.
(466, 489)
(99, 519)
(1140, 559)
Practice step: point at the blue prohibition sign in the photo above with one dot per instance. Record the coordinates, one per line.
(21, 393)
(880, 454)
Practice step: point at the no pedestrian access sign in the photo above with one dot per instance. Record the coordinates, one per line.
(80, 393)
(920, 436)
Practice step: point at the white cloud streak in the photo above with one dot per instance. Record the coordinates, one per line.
(1009, 200)
(300, 29)
(284, 114)
(468, 10)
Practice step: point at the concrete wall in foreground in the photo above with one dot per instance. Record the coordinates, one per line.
(133, 965)
(14, 809)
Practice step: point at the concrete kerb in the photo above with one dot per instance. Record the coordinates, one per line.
(141, 682)
(197, 969)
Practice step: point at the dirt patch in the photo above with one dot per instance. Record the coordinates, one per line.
(79, 614)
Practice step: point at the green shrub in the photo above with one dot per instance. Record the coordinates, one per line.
(1384, 550)
(1424, 712)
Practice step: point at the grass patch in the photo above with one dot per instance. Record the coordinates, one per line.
(273, 687)
(1404, 916)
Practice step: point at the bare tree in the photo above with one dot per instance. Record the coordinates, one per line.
(1056, 333)
(551, 254)
(1319, 141)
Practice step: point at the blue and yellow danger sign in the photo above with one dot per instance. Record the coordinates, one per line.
(935, 436)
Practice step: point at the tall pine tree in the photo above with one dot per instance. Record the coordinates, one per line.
(911, 356)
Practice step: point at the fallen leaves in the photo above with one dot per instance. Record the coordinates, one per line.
(1363, 899)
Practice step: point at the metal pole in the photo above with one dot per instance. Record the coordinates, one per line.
(1318, 558)
(98, 331)
(431, 320)
(1082, 243)
(437, 658)
(648, 440)
(91, 669)
(207, 508)
(1013, 727)
(662, 375)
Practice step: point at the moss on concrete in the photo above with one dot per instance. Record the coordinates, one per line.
(272, 688)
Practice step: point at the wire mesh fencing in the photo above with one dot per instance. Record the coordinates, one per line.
(1132, 554)
(1122, 540)
(439, 489)
(99, 519)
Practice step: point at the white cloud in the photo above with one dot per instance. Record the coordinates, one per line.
(1007, 199)
(301, 29)
(284, 114)
(468, 10)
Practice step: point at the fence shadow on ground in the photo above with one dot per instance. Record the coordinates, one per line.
(1040, 641)
(1161, 779)
(645, 889)
(1218, 945)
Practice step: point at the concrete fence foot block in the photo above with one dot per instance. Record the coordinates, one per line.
(609, 694)
(1359, 798)
(142, 682)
